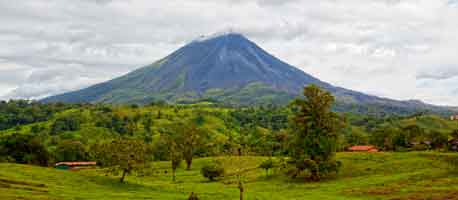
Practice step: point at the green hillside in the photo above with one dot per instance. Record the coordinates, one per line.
(267, 152)
(104, 122)
(400, 176)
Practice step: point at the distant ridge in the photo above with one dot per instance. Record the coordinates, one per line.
(229, 68)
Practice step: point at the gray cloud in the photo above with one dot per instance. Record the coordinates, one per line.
(440, 73)
(400, 49)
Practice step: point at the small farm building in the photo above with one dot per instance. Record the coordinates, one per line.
(75, 165)
(368, 148)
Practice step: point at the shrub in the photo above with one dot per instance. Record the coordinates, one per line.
(266, 165)
(316, 170)
(212, 171)
(330, 166)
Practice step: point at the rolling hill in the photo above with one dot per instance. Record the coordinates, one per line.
(400, 176)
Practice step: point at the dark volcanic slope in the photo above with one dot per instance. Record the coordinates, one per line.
(226, 67)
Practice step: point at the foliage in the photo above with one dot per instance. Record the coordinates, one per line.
(71, 150)
(66, 123)
(206, 129)
(20, 112)
(212, 170)
(125, 155)
(315, 140)
(175, 149)
(26, 149)
(267, 165)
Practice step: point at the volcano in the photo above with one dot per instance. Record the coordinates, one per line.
(226, 68)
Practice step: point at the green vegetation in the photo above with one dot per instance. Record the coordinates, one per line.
(315, 133)
(212, 170)
(369, 176)
(263, 152)
(20, 112)
(122, 155)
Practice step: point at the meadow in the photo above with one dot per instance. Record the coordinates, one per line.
(395, 176)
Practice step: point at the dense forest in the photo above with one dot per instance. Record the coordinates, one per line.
(42, 134)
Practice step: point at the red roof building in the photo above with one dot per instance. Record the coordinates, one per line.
(368, 148)
(75, 165)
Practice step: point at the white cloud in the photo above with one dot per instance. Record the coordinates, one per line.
(401, 49)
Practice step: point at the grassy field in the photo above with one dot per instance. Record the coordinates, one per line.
(396, 176)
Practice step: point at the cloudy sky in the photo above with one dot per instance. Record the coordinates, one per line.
(401, 49)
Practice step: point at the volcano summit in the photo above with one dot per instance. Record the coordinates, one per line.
(227, 68)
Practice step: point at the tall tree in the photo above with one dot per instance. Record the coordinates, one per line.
(315, 138)
(70, 150)
(188, 136)
(122, 155)
(174, 149)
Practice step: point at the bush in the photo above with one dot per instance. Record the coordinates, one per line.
(316, 170)
(266, 165)
(212, 171)
(329, 167)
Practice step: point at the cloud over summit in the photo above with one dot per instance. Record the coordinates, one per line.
(402, 49)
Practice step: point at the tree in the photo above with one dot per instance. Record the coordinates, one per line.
(70, 150)
(174, 149)
(356, 137)
(25, 149)
(122, 155)
(194, 138)
(384, 137)
(188, 137)
(176, 156)
(315, 139)
(437, 139)
(409, 135)
(66, 123)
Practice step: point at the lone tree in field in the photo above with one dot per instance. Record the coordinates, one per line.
(173, 139)
(187, 136)
(122, 155)
(175, 157)
(316, 132)
(194, 137)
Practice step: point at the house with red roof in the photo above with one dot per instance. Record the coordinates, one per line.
(366, 148)
(75, 165)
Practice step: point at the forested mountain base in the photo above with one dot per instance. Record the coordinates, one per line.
(259, 152)
(259, 130)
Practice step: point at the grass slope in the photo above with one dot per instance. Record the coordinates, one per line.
(363, 176)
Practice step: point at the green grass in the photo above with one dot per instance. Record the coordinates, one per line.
(415, 175)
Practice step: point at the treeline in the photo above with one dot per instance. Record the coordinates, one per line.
(15, 113)
(60, 132)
